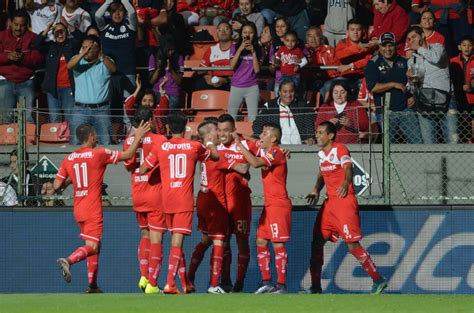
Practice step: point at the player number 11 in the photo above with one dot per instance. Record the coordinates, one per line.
(77, 170)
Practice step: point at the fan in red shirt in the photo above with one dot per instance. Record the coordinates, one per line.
(339, 214)
(147, 204)
(177, 159)
(212, 210)
(275, 221)
(85, 169)
(239, 204)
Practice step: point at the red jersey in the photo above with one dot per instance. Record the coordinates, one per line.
(435, 37)
(274, 178)
(146, 189)
(86, 168)
(331, 167)
(177, 159)
(236, 182)
(215, 56)
(289, 59)
(213, 176)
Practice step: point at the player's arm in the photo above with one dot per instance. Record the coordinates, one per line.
(142, 129)
(212, 148)
(313, 196)
(342, 190)
(149, 163)
(252, 159)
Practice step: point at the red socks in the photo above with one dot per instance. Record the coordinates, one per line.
(366, 261)
(80, 254)
(263, 256)
(155, 262)
(196, 260)
(182, 271)
(281, 263)
(216, 264)
(143, 256)
(243, 259)
(173, 264)
(226, 263)
(92, 269)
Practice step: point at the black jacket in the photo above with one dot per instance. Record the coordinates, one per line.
(302, 114)
(70, 48)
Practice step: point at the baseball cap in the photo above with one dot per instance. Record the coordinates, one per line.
(387, 37)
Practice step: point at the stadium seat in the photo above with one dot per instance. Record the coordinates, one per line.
(9, 134)
(209, 103)
(54, 133)
(190, 63)
(199, 49)
(212, 29)
(244, 127)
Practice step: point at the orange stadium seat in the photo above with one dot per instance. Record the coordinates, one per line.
(54, 133)
(9, 134)
(199, 49)
(209, 103)
(190, 63)
(244, 127)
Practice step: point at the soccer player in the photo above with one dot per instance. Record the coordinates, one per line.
(275, 221)
(212, 210)
(177, 159)
(85, 169)
(339, 214)
(147, 204)
(239, 204)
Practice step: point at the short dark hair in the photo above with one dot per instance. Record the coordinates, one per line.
(204, 124)
(21, 13)
(92, 26)
(142, 93)
(177, 121)
(226, 118)
(142, 114)
(93, 38)
(286, 82)
(415, 28)
(343, 84)
(330, 128)
(213, 119)
(354, 21)
(291, 33)
(276, 127)
(467, 38)
(83, 132)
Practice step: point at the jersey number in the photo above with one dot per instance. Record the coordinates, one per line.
(78, 169)
(139, 156)
(177, 165)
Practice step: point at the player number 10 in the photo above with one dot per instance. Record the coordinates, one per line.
(177, 165)
(77, 171)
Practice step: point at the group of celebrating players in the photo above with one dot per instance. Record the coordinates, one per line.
(162, 174)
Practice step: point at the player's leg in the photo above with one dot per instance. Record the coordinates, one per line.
(143, 257)
(157, 226)
(244, 219)
(93, 272)
(216, 267)
(197, 256)
(226, 281)
(263, 257)
(281, 264)
(173, 262)
(361, 255)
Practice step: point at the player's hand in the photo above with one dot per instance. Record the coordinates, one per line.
(138, 82)
(345, 121)
(342, 190)
(312, 198)
(286, 153)
(142, 129)
(411, 102)
(236, 137)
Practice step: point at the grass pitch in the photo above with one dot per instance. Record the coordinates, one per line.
(293, 303)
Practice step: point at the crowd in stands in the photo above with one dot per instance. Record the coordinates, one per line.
(297, 63)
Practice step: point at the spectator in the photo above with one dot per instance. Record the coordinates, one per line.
(266, 42)
(318, 54)
(18, 59)
(281, 27)
(431, 36)
(166, 63)
(293, 11)
(336, 22)
(189, 9)
(118, 42)
(451, 22)
(47, 192)
(428, 70)
(7, 195)
(349, 118)
(92, 71)
(217, 55)
(92, 30)
(247, 12)
(418, 7)
(462, 75)
(366, 100)
(213, 12)
(390, 17)
(147, 97)
(151, 14)
(12, 179)
(295, 118)
(76, 16)
(290, 59)
(245, 60)
(386, 74)
(42, 14)
(58, 83)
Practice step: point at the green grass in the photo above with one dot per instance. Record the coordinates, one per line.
(117, 303)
